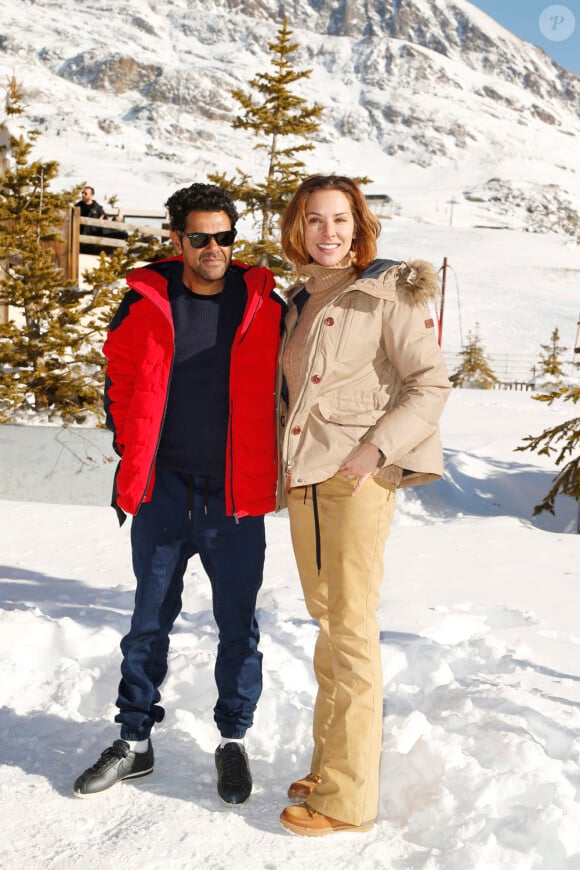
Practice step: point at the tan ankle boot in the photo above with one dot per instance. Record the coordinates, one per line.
(300, 789)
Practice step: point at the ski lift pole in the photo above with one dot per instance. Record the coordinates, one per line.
(441, 309)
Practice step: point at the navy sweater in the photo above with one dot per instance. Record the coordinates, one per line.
(194, 435)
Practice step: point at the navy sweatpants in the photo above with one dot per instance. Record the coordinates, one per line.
(186, 516)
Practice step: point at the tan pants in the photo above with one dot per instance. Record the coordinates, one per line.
(343, 599)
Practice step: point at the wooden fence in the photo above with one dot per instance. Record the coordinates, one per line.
(514, 371)
(73, 242)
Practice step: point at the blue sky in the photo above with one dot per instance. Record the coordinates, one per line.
(522, 17)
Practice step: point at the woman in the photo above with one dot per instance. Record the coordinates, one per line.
(366, 384)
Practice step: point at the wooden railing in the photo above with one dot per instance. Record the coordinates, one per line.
(73, 242)
(524, 386)
(514, 371)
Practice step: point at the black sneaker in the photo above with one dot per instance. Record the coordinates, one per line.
(234, 778)
(116, 763)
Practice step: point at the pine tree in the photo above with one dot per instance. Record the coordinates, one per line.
(50, 352)
(276, 115)
(565, 438)
(550, 361)
(45, 363)
(474, 371)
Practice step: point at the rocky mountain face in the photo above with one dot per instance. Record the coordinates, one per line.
(455, 30)
(532, 207)
(431, 83)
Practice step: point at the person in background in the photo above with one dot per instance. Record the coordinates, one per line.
(90, 208)
(365, 385)
(189, 397)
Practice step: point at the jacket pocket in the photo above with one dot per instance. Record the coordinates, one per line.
(349, 411)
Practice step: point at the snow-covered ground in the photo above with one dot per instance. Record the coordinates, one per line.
(480, 637)
(515, 287)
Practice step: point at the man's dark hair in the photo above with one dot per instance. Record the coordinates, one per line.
(199, 197)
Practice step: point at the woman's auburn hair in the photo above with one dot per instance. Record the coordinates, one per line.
(367, 226)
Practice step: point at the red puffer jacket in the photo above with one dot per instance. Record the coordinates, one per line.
(140, 350)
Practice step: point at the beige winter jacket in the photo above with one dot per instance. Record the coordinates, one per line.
(372, 371)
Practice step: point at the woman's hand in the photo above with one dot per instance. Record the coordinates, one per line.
(361, 463)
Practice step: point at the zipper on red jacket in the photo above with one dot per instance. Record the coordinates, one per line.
(231, 439)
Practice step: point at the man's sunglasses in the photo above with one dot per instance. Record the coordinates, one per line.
(201, 240)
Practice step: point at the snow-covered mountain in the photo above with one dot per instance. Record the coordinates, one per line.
(456, 119)
(135, 97)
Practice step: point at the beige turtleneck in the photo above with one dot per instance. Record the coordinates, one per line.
(323, 285)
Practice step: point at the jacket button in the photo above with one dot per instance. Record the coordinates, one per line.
(296, 430)
(329, 321)
(315, 379)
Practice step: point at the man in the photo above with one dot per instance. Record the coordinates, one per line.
(189, 397)
(90, 208)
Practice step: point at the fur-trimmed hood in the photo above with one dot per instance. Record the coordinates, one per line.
(416, 280)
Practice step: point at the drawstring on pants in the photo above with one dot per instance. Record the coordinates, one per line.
(316, 526)
(190, 495)
(205, 494)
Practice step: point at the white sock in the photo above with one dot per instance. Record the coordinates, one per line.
(225, 740)
(138, 745)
